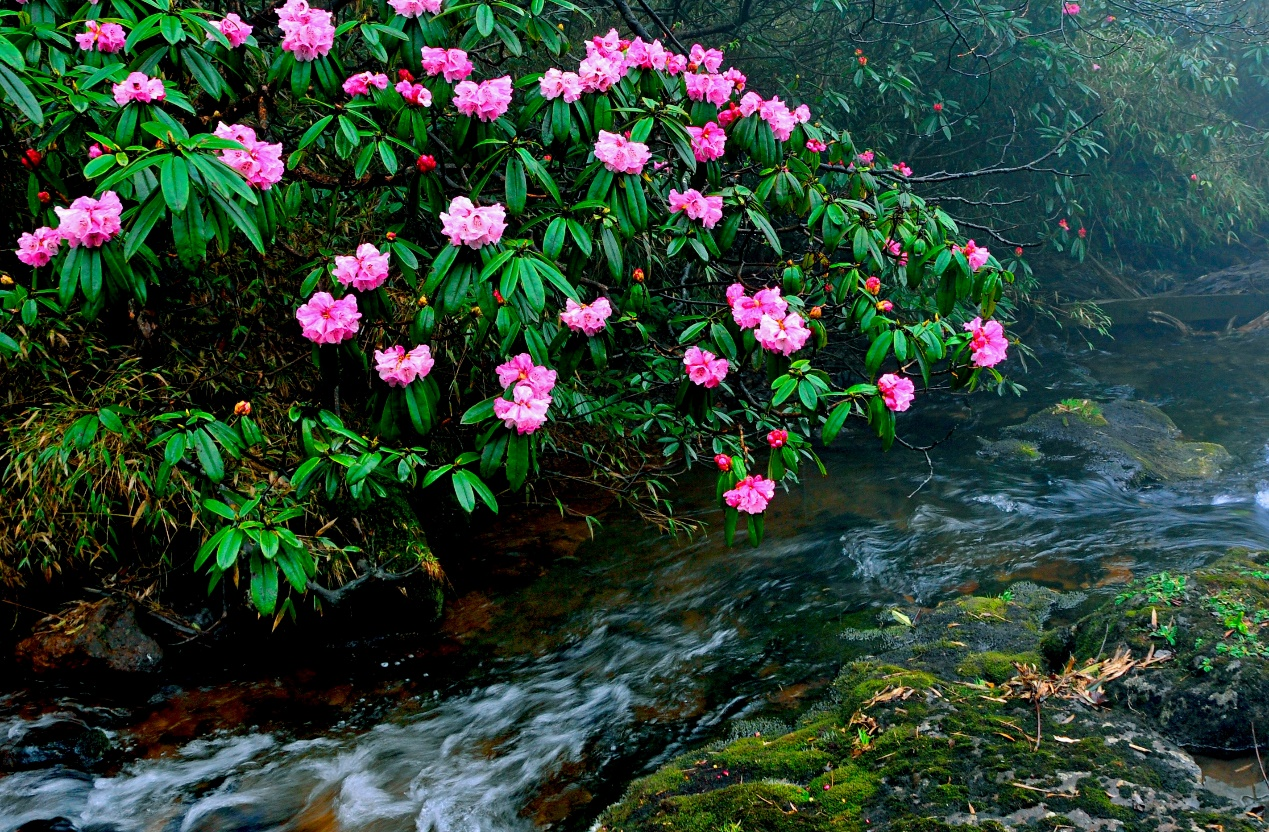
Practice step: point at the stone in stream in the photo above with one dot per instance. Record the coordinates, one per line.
(1216, 691)
(1131, 442)
(918, 738)
(54, 739)
(99, 635)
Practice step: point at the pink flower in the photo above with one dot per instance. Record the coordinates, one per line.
(451, 63)
(472, 226)
(95, 150)
(976, 255)
(415, 8)
(526, 412)
(747, 312)
(307, 33)
(1064, 225)
(895, 250)
(736, 77)
(723, 462)
(675, 64)
(987, 342)
(729, 115)
(711, 59)
(416, 94)
(872, 285)
(703, 368)
(866, 157)
(647, 55)
(329, 321)
(750, 103)
(556, 84)
(487, 100)
(521, 369)
(778, 438)
(1097, 67)
(399, 368)
(233, 28)
(361, 83)
(260, 163)
(816, 146)
(708, 142)
(707, 209)
(364, 271)
(139, 87)
(884, 306)
(621, 155)
(588, 318)
(785, 335)
(802, 114)
(598, 72)
(1070, 8)
(104, 37)
(896, 392)
(608, 45)
(36, 249)
(902, 168)
(778, 115)
(88, 221)
(716, 89)
(751, 495)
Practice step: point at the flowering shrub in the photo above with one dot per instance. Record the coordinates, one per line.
(736, 250)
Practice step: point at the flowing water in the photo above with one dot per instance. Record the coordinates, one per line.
(645, 647)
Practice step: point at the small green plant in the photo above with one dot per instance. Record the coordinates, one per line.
(1006, 596)
(1083, 408)
(1167, 632)
(1205, 665)
(1162, 588)
(863, 740)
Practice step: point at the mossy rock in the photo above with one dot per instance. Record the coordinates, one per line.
(1011, 450)
(1217, 685)
(923, 761)
(1132, 442)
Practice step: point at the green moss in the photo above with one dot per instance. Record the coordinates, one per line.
(766, 806)
(995, 667)
(978, 605)
(862, 681)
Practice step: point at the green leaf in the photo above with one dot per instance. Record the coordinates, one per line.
(517, 461)
(110, 420)
(311, 134)
(143, 224)
(484, 20)
(230, 545)
(208, 455)
(517, 187)
(836, 419)
(174, 180)
(18, 92)
(217, 507)
(264, 586)
(479, 412)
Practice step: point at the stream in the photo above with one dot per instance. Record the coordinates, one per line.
(645, 646)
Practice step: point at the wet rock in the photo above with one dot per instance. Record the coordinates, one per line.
(1132, 442)
(101, 635)
(1217, 687)
(53, 739)
(50, 825)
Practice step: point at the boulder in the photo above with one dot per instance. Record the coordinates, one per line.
(53, 739)
(100, 635)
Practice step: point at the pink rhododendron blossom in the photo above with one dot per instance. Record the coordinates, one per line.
(260, 163)
(675, 64)
(139, 87)
(467, 224)
(866, 157)
(647, 55)
(399, 368)
(708, 142)
(361, 83)
(715, 89)
(897, 392)
(885, 306)
(723, 462)
(750, 103)
(976, 255)
(609, 45)
(777, 114)
(453, 64)
(103, 37)
(987, 342)
(329, 321)
(728, 116)
(872, 285)
(598, 72)
(90, 222)
(38, 247)
(902, 168)
(556, 84)
(95, 150)
(307, 33)
(895, 250)
(233, 28)
(816, 146)
(364, 271)
(747, 311)
(710, 59)
(736, 77)
(1070, 8)
(751, 495)
(621, 155)
(521, 369)
(589, 318)
(785, 335)
(414, 94)
(487, 100)
(415, 8)
(707, 209)
(778, 438)
(526, 412)
(802, 114)
(704, 368)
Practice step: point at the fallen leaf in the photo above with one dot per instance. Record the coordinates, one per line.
(1066, 740)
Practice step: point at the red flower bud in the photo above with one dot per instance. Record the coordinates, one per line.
(405, 75)
(1083, 233)
(637, 276)
(546, 158)
(1018, 251)
(723, 462)
(242, 408)
(498, 297)
(863, 61)
(815, 313)
(31, 159)
(44, 198)
(391, 235)
(938, 107)
(426, 164)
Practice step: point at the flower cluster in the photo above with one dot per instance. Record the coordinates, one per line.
(975, 254)
(233, 28)
(469, 225)
(361, 83)
(90, 222)
(621, 155)
(329, 321)
(39, 247)
(751, 495)
(452, 64)
(708, 142)
(415, 8)
(415, 94)
(897, 392)
(102, 37)
(398, 367)
(816, 146)
(308, 33)
(987, 342)
(778, 329)
(139, 87)
(531, 387)
(778, 438)
(260, 163)
(588, 318)
(487, 100)
(707, 209)
(704, 368)
(364, 271)
(555, 84)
